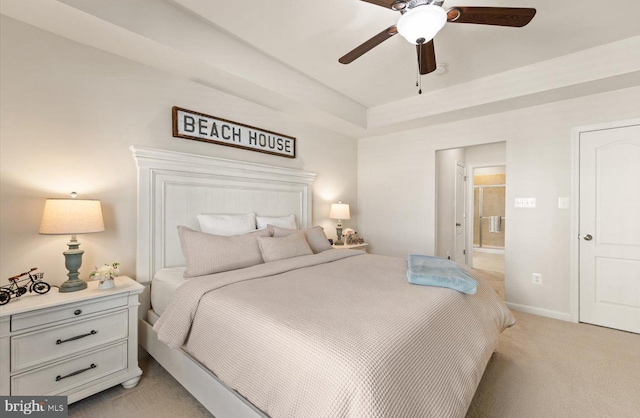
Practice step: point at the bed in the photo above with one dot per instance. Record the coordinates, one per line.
(339, 333)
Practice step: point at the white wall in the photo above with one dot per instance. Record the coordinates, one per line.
(69, 113)
(396, 187)
(495, 153)
(446, 161)
(491, 170)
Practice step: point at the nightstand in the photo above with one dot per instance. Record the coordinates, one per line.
(70, 344)
(362, 246)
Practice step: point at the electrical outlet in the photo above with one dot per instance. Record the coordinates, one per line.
(536, 278)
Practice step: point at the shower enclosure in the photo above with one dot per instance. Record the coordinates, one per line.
(489, 202)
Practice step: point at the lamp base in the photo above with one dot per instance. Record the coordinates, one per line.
(73, 261)
(339, 235)
(72, 285)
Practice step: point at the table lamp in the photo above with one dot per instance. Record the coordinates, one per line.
(71, 217)
(339, 211)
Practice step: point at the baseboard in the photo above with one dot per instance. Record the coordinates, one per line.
(563, 316)
(488, 250)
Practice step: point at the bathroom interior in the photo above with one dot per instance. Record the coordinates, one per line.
(489, 222)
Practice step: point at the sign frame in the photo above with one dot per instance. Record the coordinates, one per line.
(177, 134)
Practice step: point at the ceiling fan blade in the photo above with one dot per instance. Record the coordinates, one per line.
(426, 57)
(369, 45)
(497, 16)
(385, 3)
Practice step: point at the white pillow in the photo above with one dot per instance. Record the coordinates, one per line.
(288, 222)
(227, 225)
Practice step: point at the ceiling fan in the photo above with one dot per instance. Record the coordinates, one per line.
(421, 20)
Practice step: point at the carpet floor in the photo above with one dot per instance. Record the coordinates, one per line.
(543, 368)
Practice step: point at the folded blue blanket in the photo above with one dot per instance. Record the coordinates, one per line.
(435, 271)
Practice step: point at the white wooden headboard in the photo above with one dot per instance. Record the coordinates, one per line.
(174, 187)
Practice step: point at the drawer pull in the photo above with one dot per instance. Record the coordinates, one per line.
(59, 378)
(77, 337)
(77, 312)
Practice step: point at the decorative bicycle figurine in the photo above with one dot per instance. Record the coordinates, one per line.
(32, 283)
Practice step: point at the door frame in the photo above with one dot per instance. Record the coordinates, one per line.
(574, 273)
(465, 198)
(470, 214)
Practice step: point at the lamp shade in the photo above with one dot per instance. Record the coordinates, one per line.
(339, 211)
(422, 22)
(71, 216)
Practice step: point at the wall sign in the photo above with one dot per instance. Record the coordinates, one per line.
(200, 127)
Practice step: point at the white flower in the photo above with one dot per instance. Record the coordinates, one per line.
(348, 231)
(106, 271)
(103, 270)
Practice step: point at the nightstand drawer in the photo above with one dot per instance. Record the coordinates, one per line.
(67, 374)
(47, 345)
(75, 310)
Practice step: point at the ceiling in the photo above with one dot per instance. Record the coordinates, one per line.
(310, 36)
(284, 54)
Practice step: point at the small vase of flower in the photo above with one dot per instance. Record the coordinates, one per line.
(105, 274)
(349, 235)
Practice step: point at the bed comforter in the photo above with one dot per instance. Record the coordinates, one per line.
(338, 334)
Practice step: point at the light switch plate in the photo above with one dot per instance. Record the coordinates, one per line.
(525, 202)
(563, 203)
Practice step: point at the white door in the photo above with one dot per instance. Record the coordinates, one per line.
(459, 252)
(610, 228)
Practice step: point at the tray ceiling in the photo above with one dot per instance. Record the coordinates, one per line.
(284, 54)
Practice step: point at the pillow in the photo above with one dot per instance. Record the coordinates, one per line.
(227, 225)
(274, 249)
(315, 236)
(282, 222)
(208, 254)
(435, 271)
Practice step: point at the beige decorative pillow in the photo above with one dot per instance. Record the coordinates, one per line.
(274, 249)
(315, 236)
(208, 254)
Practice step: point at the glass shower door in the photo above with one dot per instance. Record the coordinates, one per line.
(489, 201)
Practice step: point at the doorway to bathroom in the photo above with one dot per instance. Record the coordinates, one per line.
(461, 217)
(486, 218)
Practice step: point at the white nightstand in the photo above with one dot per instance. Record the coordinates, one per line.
(70, 344)
(362, 246)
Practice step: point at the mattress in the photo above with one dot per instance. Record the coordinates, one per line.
(164, 286)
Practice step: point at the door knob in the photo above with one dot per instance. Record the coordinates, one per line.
(457, 224)
(588, 237)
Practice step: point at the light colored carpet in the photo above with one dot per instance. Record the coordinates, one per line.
(491, 268)
(543, 368)
(488, 261)
(549, 368)
(158, 395)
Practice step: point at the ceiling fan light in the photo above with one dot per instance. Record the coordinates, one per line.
(422, 22)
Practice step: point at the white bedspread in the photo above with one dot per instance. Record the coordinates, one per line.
(338, 334)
